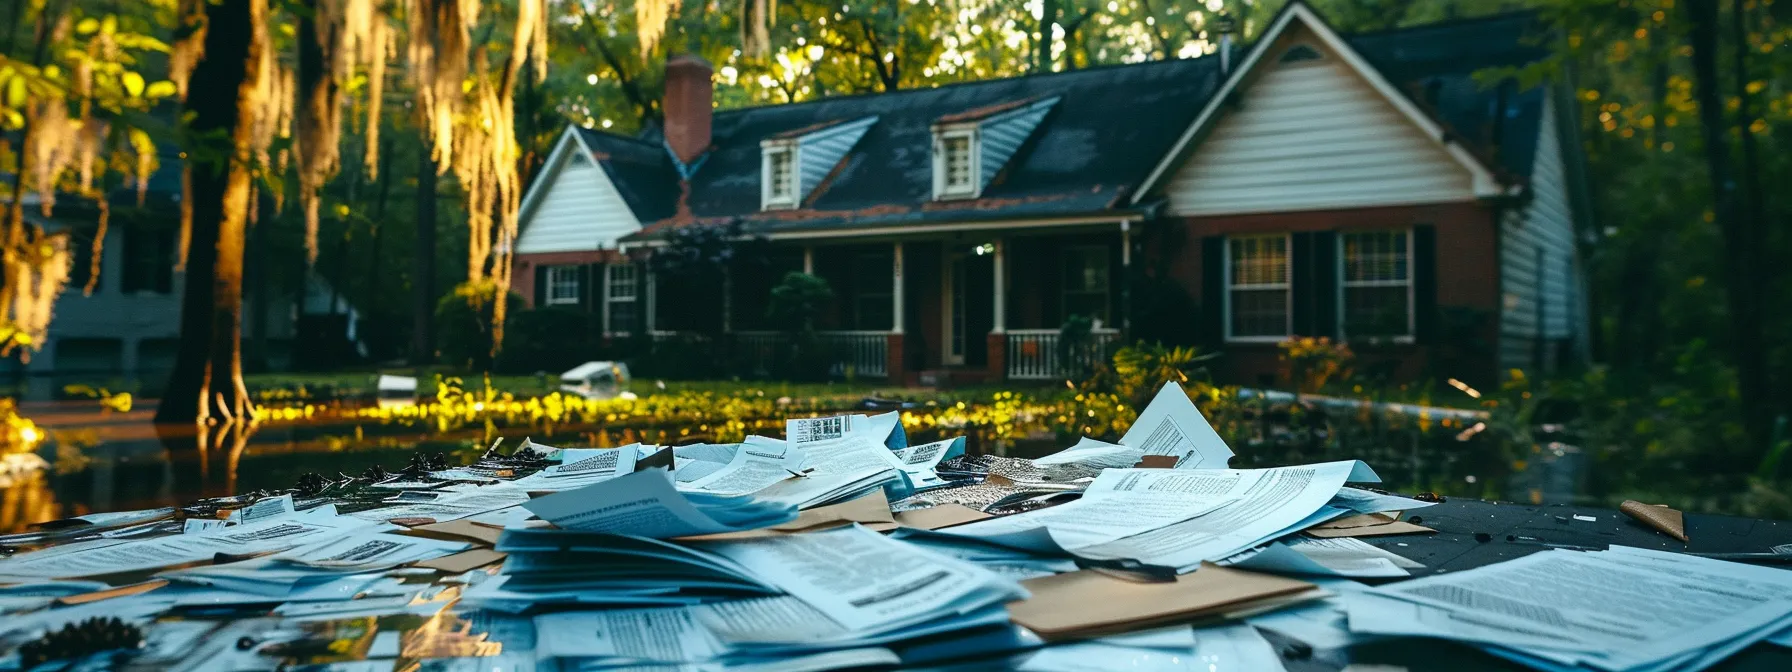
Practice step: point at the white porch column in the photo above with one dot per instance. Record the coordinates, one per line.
(1001, 288)
(896, 290)
(1125, 310)
(653, 283)
(808, 260)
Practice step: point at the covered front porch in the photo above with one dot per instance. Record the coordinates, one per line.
(934, 308)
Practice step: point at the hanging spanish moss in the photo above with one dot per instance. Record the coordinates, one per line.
(189, 43)
(650, 21)
(485, 158)
(36, 268)
(378, 46)
(439, 49)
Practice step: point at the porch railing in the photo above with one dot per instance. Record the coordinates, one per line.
(1033, 354)
(867, 352)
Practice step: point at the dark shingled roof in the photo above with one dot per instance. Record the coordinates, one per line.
(641, 169)
(1100, 141)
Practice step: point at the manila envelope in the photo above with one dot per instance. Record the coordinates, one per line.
(944, 515)
(1088, 603)
(1366, 525)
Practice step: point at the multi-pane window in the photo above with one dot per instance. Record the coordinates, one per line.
(563, 285)
(1377, 284)
(1257, 288)
(780, 177)
(623, 289)
(956, 164)
(1086, 282)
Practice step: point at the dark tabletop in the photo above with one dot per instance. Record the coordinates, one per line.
(1473, 533)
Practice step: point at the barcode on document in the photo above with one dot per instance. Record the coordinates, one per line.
(822, 429)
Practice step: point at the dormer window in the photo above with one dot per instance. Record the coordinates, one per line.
(955, 164)
(780, 176)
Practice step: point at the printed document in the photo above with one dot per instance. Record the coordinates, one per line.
(919, 461)
(453, 507)
(755, 466)
(642, 504)
(866, 582)
(268, 536)
(1171, 425)
(1596, 609)
(1262, 504)
(1092, 453)
(626, 636)
(371, 551)
(1120, 503)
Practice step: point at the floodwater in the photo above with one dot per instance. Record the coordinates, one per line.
(100, 460)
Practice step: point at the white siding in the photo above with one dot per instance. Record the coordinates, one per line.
(1003, 135)
(1543, 230)
(822, 150)
(1312, 135)
(580, 211)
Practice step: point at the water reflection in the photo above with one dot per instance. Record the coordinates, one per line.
(107, 461)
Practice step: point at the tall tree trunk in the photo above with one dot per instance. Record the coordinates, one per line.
(257, 276)
(1741, 286)
(423, 270)
(208, 372)
(1752, 222)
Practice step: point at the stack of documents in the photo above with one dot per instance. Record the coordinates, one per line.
(648, 504)
(850, 587)
(579, 467)
(824, 461)
(548, 566)
(1622, 609)
(1176, 517)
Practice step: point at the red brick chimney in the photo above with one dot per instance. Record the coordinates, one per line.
(688, 106)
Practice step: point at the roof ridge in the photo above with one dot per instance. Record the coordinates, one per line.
(641, 141)
(965, 83)
(1446, 23)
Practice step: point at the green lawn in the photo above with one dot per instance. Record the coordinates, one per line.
(351, 383)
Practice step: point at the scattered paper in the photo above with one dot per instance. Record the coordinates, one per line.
(866, 582)
(371, 551)
(1171, 425)
(1325, 557)
(626, 637)
(1261, 504)
(647, 504)
(1120, 503)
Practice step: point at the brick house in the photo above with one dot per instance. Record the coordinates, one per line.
(1364, 187)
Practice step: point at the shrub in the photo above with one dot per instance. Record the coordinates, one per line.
(464, 324)
(549, 338)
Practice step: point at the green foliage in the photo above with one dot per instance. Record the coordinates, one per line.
(1139, 369)
(463, 325)
(797, 301)
(547, 338)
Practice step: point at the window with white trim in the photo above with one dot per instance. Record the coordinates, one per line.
(1086, 282)
(1376, 284)
(1258, 288)
(622, 291)
(955, 164)
(781, 177)
(563, 285)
